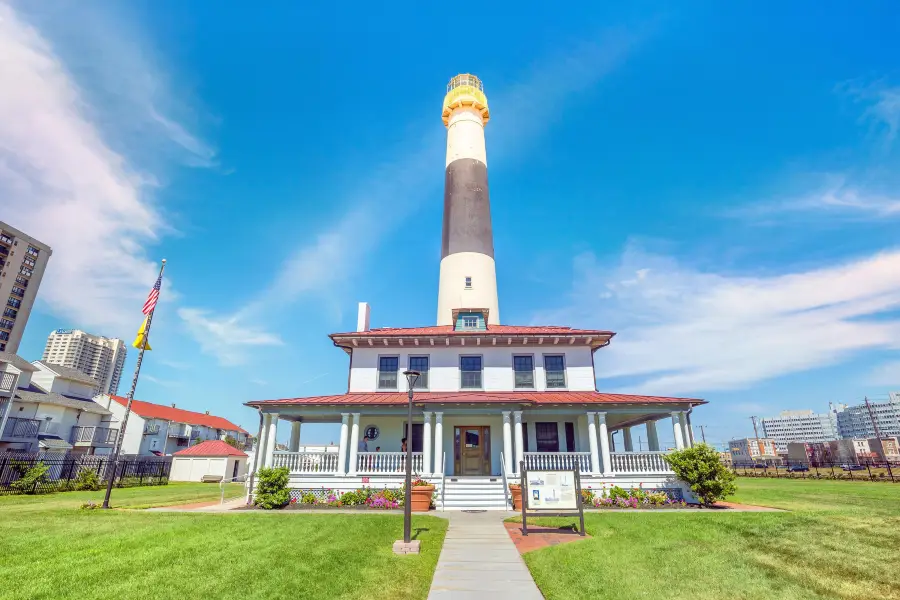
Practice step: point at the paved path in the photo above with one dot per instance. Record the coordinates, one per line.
(479, 560)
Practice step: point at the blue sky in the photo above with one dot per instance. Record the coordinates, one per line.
(718, 185)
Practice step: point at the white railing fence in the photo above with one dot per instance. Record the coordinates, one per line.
(639, 462)
(376, 463)
(307, 462)
(558, 460)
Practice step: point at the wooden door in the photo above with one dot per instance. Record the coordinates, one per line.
(472, 450)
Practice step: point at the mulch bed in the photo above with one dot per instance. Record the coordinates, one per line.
(541, 537)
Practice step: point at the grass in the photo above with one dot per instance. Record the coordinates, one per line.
(49, 548)
(840, 540)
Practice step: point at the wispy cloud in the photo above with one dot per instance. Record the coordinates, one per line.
(886, 374)
(225, 338)
(321, 266)
(882, 104)
(66, 179)
(836, 197)
(162, 382)
(686, 331)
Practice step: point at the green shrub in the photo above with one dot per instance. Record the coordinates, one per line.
(308, 498)
(29, 481)
(86, 480)
(617, 492)
(701, 468)
(272, 491)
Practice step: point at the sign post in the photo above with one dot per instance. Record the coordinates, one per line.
(554, 493)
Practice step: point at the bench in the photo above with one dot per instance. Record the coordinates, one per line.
(211, 479)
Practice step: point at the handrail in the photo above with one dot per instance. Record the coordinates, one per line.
(222, 486)
(443, 481)
(505, 485)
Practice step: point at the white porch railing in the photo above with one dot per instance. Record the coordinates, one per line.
(639, 462)
(307, 462)
(377, 463)
(558, 460)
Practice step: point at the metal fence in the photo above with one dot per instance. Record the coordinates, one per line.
(63, 470)
(870, 470)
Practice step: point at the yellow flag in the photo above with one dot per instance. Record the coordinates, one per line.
(140, 337)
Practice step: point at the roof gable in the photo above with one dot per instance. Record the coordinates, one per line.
(211, 448)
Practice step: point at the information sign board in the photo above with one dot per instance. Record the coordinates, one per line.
(551, 493)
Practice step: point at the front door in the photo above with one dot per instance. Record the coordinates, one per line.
(472, 450)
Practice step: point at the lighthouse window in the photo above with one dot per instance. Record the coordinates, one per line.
(468, 283)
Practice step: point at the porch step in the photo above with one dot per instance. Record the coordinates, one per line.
(474, 493)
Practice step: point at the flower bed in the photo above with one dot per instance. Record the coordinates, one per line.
(617, 497)
(385, 499)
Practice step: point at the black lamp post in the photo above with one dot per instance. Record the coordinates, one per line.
(411, 378)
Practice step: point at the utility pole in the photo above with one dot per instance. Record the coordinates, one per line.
(755, 431)
(872, 418)
(640, 445)
(703, 432)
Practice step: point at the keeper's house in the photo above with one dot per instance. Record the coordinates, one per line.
(490, 396)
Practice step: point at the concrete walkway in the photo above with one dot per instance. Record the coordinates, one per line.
(479, 560)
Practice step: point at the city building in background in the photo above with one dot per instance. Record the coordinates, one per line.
(747, 451)
(22, 263)
(835, 452)
(856, 421)
(800, 426)
(99, 357)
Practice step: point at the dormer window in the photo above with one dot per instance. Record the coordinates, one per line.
(470, 322)
(470, 319)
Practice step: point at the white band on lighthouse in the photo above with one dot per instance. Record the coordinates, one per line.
(468, 273)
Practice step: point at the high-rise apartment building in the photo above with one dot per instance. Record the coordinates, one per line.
(22, 263)
(856, 421)
(800, 426)
(97, 356)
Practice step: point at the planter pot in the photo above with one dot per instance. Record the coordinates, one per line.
(421, 497)
(516, 496)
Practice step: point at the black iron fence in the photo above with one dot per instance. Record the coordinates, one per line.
(869, 470)
(63, 471)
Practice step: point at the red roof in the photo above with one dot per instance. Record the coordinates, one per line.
(399, 398)
(148, 410)
(211, 448)
(547, 330)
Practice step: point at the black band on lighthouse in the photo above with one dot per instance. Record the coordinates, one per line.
(467, 209)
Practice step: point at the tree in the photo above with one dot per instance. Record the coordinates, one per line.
(701, 468)
(233, 442)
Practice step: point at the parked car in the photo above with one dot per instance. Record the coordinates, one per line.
(798, 468)
(759, 466)
(853, 467)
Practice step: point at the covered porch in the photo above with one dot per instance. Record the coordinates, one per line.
(459, 440)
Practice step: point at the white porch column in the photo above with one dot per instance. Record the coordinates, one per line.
(294, 446)
(604, 443)
(520, 443)
(652, 437)
(686, 430)
(342, 445)
(596, 467)
(677, 430)
(626, 439)
(270, 440)
(262, 444)
(426, 445)
(507, 443)
(438, 443)
(354, 444)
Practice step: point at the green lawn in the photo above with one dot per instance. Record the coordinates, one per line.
(49, 548)
(839, 540)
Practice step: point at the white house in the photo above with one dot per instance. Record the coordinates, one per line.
(49, 408)
(159, 429)
(490, 396)
(212, 459)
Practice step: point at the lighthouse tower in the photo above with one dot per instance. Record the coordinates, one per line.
(468, 275)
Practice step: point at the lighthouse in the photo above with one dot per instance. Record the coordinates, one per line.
(468, 279)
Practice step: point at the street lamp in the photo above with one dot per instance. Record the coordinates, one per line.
(411, 378)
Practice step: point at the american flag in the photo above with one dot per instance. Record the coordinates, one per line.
(150, 304)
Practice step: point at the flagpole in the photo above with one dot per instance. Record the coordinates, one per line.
(137, 371)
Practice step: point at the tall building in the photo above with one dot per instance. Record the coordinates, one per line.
(22, 263)
(99, 357)
(800, 426)
(856, 421)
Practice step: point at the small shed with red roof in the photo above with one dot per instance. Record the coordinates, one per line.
(212, 460)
